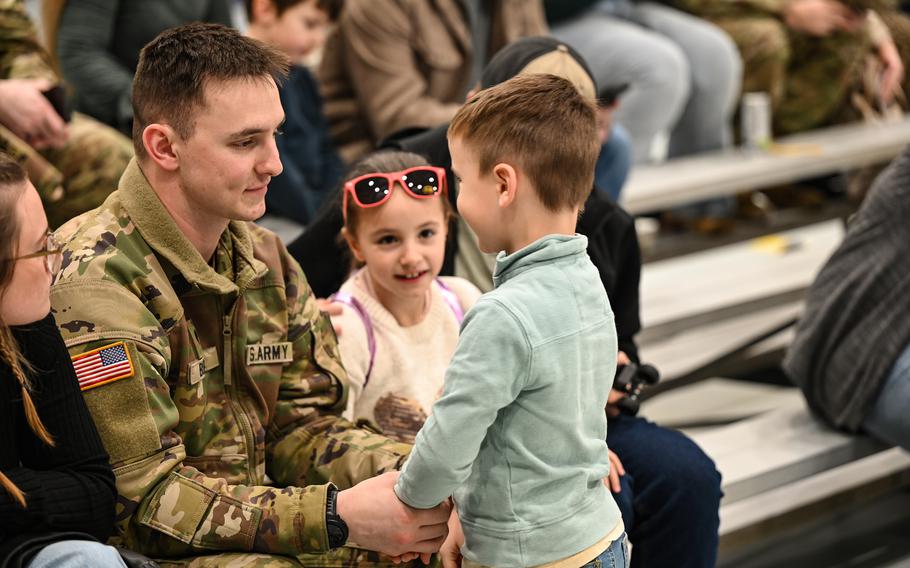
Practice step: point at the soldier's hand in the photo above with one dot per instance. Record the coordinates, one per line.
(378, 520)
(29, 115)
(820, 17)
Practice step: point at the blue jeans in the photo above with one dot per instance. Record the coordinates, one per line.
(670, 495)
(77, 554)
(617, 556)
(888, 420)
(614, 162)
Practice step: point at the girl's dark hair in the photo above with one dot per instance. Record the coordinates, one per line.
(382, 163)
(12, 180)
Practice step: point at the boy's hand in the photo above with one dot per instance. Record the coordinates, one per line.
(450, 553)
(611, 480)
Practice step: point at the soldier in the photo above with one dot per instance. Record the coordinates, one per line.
(74, 166)
(807, 54)
(214, 379)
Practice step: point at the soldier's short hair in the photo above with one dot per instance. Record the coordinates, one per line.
(540, 123)
(169, 85)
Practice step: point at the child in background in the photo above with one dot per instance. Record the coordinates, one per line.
(312, 166)
(400, 322)
(518, 436)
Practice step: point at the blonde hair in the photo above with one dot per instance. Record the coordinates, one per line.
(12, 179)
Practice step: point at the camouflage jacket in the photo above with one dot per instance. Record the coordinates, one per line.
(23, 57)
(740, 8)
(234, 379)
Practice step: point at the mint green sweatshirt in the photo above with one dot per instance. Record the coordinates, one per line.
(519, 434)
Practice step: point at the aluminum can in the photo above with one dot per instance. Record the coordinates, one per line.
(756, 120)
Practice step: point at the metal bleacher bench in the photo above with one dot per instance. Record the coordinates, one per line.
(784, 468)
(801, 156)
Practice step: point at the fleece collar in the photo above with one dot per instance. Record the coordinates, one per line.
(159, 230)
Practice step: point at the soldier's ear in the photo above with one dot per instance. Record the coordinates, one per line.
(158, 140)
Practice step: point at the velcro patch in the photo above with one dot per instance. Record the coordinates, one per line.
(103, 365)
(267, 353)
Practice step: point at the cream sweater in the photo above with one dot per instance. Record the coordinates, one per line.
(410, 362)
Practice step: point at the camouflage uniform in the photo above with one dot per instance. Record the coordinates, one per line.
(225, 432)
(79, 176)
(808, 78)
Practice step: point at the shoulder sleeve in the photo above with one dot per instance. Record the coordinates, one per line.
(104, 84)
(490, 368)
(307, 440)
(379, 56)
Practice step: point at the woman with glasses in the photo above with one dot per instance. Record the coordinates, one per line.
(56, 486)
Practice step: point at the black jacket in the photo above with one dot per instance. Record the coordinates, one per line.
(69, 488)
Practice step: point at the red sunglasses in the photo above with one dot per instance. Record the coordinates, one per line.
(372, 190)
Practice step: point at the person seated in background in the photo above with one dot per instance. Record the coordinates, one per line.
(74, 164)
(851, 352)
(390, 66)
(807, 55)
(312, 166)
(683, 73)
(97, 44)
(57, 489)
(224, 423)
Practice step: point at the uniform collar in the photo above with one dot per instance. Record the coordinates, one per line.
(159, 230)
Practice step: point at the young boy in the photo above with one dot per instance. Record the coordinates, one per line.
(518, 434)
(312, 166)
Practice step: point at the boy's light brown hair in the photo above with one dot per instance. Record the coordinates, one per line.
(169, 85)
(541, 124)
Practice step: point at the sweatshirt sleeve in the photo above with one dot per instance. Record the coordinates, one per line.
(68, 486)
(490, 368)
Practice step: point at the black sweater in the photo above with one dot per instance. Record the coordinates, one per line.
(857, 317)
(612, 242)
(69, 487)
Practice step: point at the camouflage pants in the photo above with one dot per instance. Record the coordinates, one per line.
(809, 79)
(341, 558)
(79, 176)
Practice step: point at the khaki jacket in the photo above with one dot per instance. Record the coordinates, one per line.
(235, 375)
(396, 64)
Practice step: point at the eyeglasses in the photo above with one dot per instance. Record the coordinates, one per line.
(372, 190)
(51, 253)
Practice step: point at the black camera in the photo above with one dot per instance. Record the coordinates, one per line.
(631, 379)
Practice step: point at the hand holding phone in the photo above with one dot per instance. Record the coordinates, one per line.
(26, 111)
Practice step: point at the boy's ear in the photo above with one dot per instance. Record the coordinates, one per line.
(159, 141)
(506, 177)
(352, 244)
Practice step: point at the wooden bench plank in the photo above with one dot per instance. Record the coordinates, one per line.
(715, 174)
(680, 293)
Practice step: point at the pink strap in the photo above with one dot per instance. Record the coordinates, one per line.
(345, 298)
(350, 300)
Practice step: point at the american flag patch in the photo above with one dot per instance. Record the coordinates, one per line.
(103, 365)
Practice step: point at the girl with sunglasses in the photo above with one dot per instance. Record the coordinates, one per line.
(56, 486)
(400, 320)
